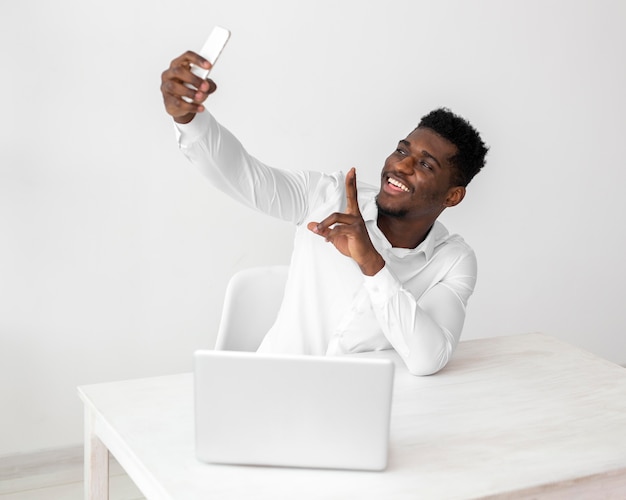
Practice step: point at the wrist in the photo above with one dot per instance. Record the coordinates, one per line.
(373, 266)
(184, 119)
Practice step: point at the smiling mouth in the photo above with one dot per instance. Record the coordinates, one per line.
(397, 184)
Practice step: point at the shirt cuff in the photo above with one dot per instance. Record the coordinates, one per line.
(382, 286)
(188, 133)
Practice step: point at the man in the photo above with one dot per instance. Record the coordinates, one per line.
(371, 267)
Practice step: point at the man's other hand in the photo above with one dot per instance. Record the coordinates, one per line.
(348, 233)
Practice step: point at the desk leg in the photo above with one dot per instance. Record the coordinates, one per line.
(96, 462)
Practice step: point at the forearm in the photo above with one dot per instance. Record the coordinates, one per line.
(227, 165)
(219, 156)
(425, 332)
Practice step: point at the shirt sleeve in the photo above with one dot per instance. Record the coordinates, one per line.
(223, 160)
(426, 330)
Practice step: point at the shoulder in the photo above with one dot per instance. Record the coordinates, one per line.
(451, 245)
(333, 185)
(327, 192)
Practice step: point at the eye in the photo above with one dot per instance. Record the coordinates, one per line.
(426, 165)
(401, 151)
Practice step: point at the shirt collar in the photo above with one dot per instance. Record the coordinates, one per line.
(437, 233)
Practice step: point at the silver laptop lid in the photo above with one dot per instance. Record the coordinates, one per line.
(299, 411)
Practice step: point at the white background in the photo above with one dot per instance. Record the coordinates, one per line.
(114, 252)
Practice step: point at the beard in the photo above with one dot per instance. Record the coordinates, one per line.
(397, 213)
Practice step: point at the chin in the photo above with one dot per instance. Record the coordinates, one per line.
(390, 211)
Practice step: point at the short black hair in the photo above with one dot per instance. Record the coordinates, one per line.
(472, 150)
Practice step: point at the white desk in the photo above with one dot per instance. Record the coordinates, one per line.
(525, 416)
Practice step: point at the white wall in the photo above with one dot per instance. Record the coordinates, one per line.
(114, 252)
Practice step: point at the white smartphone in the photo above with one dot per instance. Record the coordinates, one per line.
(212, 49)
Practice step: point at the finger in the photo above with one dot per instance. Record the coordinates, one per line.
(197, 95)
(180, 70)
(179, 97)
(326, 225)
(328, 233)
(180, 100)
(317, 228)
(312, 226)
(191, 57)
(184, 75)
(179, 108)
(352, 204)
(178, 90)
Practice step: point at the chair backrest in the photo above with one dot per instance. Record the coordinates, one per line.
(253, 297)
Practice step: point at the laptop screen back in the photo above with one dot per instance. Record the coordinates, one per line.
(299, 411)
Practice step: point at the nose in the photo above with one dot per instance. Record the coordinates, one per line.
(405, 165)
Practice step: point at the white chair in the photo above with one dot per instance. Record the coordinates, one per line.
(253, 297)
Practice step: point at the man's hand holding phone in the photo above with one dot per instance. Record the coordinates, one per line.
(184, 84)
(179, 82)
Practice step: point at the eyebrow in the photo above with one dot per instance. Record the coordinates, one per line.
(424, 152)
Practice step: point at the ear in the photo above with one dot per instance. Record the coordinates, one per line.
(455, 196)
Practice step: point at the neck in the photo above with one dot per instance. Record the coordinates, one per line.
(402, 233)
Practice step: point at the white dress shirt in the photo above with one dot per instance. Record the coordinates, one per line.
(415, 304)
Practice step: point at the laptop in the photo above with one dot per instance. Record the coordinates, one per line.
(292, 411)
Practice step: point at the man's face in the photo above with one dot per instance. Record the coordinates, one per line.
(416, 177)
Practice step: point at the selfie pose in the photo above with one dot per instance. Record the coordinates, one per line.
(371, 268)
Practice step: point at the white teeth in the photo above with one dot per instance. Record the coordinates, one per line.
(398, 184)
